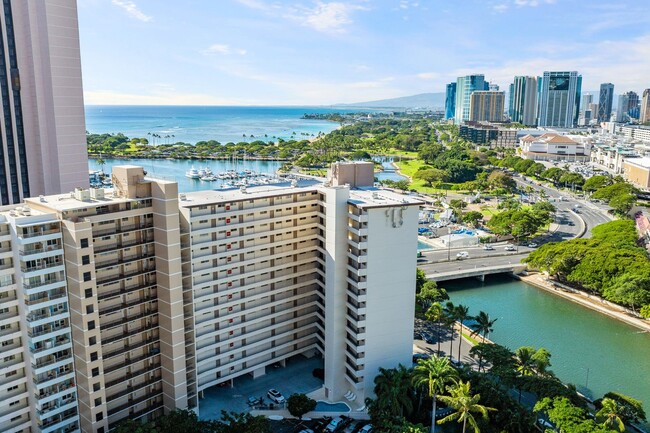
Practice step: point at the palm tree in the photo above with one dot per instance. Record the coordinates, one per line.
(610, 415)
(483, 325)
(435, 314)
(449, 317)
(392, 390)
(462, 314)
(525, 363)
(100, 161)
(434, 373)
(462, 400)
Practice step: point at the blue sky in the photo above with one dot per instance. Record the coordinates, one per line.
(313, 52)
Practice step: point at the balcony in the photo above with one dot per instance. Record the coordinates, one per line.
(31, 251)
(46, 265)
(125, 305)
(124, 244)
(131, 333)
(30, 288)
(45, 364)
(55, 423)
(135, 415)
(126, 320)
(129, 376)
(50, 344)
(132, 361)
(122, 275)
(47, 329)
(52, 377)
(38, 233)
(48, 297)
(62, 405)
(130, 389)
(134, 402)
(126, 290)
(124, 260)
(130, 347)
(123, 229)
(43, 318)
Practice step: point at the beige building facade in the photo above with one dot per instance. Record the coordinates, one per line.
(129, 303)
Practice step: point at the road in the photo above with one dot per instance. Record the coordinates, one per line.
(575, 217)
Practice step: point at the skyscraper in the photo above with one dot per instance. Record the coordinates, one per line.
(559, 99)
(464, 88)
(486, 106)
(43, 144)
(605, 100)
(450, 101)
(493, 87)
(628, 106)
(523, 106)
(645, 107)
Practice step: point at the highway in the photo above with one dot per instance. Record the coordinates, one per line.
(570, 222)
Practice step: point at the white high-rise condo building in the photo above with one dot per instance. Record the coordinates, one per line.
(559, 99)
(163, 295)
(43, 143)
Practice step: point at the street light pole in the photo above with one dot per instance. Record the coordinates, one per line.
(448, 244)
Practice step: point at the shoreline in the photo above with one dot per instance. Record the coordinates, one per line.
(584, 299)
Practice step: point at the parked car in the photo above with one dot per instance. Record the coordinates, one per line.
(366, 428)
(428, 338)
(337, 424)
(307, 430)
(532, 245)
(462, 255)
(509, 247)
(488, 247)
(418, 356)
(275, 396)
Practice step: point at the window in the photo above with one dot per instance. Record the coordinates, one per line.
(95, 371)
(92, 341)
(85, 260)
(98, 401)
(99, 416)
(84, 243)
(96, 387)
(89, 309)
(91, 325)
(89, 293)
(100, 430)
(87, 276)
(93, 356)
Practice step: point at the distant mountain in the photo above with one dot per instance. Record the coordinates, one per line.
(422, 100)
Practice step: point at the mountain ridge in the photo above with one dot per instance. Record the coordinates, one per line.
(420, 100)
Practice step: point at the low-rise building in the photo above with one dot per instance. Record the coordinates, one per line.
(486, 134)
(637, 172)
(610, 157)
(554, 147)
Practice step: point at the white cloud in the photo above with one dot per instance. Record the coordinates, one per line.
(328, 17)
(533, 3)
(132, 10)
(224, 49)
(500, 8)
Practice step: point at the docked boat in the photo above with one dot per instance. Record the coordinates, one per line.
(192, 173)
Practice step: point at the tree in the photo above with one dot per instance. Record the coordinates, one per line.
(461, 314)
(431, 293)
(392, 388)
(567, 417)
(473, 217)
(609, 415)
(645, 311)
(100, 162)
(300, 404)
(483, 324)
(420, 279)
(434, 374)
(402, 185)
(462, 400)
(596, 182)
(431, 175)
(500, 179)
(232, 422)
(435, 314)
(632, 409)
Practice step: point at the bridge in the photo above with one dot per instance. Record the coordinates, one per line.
(478, 271)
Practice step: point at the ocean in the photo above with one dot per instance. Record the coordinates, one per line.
(191, 124)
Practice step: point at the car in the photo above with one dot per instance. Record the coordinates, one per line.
(254, 401)
(338, 423)
(509, 247)
(462, 255)
(275, 396)
(428, 338)
(307, 430)
(543, 423)
(532, 245)
(488, 247)
(366, 428)
(419, 356)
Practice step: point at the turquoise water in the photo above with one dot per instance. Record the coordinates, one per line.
(190, 124)
(323, 406)
(176, 169)
(422, 246)
(590, 350)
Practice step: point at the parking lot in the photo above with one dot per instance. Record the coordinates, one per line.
(296, 377)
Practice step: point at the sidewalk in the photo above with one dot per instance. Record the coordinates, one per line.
(590, 301)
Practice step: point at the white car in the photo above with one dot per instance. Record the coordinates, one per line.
(488, 247)
(275, 396)
(509, 248)
(334, 424)
(462, 255)
(532, 245)
(366, 428)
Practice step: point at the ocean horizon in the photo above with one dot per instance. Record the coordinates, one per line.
(194, 123)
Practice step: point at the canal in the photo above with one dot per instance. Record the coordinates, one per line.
(596, 353)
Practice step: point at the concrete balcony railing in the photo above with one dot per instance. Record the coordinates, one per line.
(31, 251)
(38, 233)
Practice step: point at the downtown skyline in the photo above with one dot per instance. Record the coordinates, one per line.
(255, 52)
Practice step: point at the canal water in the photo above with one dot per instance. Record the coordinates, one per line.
(596, 353)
